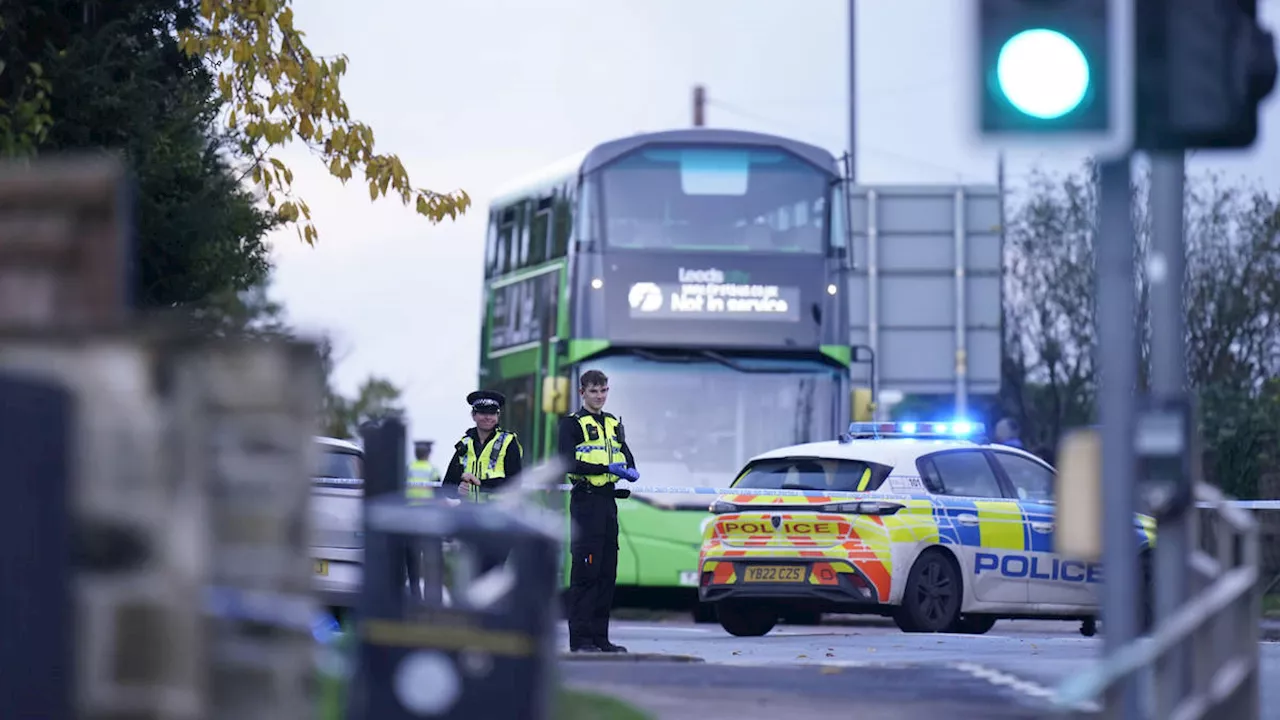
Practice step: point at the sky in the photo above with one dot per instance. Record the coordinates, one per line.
(472, 93)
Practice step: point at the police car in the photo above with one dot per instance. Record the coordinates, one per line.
(945, 533)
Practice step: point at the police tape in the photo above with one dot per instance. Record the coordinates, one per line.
(264, 607)
(686, 490)
(1273, 504)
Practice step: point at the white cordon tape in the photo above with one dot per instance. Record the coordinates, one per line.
(683, 490)
(336, 481)
(296, 612)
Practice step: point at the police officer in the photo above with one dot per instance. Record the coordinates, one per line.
(595, 445)
(488, 456)
(419, 489)
(485, 459)
(422, 474)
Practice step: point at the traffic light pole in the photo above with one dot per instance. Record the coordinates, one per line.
(1165, 273)
(1117, 361)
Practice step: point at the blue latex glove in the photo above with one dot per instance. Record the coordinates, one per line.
(619, 469)
(632, 474)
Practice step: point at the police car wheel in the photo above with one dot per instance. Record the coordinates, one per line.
(704, 613)
(974, 624)
(746, 620)
(933, 594)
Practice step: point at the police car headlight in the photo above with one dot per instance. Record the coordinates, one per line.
(721, 507)
(863, 507)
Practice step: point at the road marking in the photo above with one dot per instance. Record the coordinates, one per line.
(810, 662)
(1013, 682)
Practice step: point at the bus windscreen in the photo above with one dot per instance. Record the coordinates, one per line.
(714, 199)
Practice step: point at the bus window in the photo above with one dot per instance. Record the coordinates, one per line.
(520, 254)
(587, 228)
(506, 240)
(491, 247)
(539, 233)
(713, 199)
(561, 222)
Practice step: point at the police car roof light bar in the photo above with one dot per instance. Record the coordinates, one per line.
(956, 429)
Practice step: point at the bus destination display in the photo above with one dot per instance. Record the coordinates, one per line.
(714, 294)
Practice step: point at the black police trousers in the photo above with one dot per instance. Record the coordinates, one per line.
(593, 548)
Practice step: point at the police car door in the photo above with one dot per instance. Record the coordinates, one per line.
(1051, 578)
(984, 525)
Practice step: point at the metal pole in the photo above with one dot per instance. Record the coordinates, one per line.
(699, 106)
(853, 92)
(1117, 360)
(1165, 273)
(961, 315)
(873, 295)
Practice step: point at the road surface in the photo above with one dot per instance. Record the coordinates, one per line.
(1008, 673)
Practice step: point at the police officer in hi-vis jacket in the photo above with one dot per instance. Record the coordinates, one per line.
(484, 460)
(594, 444)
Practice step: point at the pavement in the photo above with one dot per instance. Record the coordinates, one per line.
(1011, 672)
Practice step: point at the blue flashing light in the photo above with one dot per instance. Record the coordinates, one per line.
(956, 429)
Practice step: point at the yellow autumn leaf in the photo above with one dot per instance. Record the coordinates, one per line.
(259, 44)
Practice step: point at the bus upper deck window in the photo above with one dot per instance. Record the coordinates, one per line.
(714, 172)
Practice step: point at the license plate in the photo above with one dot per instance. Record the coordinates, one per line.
(322, 567)
(689, 578)
(774, 573)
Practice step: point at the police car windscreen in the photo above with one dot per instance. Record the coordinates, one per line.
(338, 465)
(813, 474)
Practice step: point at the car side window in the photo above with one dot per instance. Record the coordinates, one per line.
(1030, 479)
(965, 473)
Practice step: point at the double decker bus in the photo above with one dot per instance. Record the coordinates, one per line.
(703, 271)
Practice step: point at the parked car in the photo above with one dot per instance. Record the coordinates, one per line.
(337, 531)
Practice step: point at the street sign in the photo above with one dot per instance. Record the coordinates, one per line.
(925, 293)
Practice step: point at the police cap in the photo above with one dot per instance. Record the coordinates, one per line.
(486, 401)
(423, 444)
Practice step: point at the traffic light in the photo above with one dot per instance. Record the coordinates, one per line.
(1054, 73)
(1203, 68)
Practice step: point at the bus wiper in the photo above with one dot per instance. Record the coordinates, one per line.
(734, 365)
(721, 360)
(655, 357)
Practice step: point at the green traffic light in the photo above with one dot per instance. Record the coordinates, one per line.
(1043, 73)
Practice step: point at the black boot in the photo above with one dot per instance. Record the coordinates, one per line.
(606, 646)
(587, 646)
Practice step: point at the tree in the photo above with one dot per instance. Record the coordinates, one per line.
(341, 417)
(112, 76)
(274, 88)
(1232, 313)
(279, 92)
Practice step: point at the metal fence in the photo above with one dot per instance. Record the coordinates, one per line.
(1217, 629)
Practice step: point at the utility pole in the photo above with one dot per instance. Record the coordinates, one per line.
(853, 92)
(699, 105)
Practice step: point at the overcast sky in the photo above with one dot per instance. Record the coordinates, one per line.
(472, 93)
